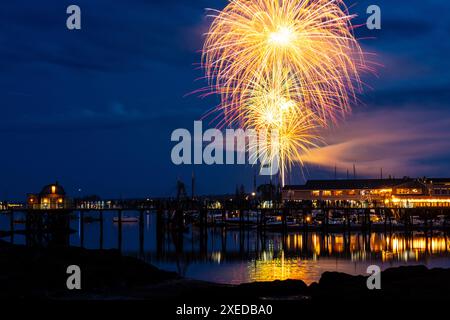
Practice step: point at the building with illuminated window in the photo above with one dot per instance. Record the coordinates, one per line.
(364, 193)
(52, 196)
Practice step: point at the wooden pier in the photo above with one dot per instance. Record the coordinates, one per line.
(52, 226)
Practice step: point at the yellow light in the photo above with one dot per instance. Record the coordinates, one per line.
(282, 37)
(60, 200)
(418, 200)
(53, 189)
(286, 105)
(45, 200)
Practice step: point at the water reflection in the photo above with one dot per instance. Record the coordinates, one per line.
(347, 253)
(236, 256)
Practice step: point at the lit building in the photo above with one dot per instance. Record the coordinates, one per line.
(52, 196)
(398, 193)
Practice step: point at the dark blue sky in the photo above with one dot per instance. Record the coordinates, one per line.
(94, 109)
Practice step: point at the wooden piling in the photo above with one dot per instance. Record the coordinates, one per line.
(119, 220)
(141, 232)
(81, 229)
(11, 225)
(101, 229)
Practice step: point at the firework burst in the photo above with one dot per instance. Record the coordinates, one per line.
(273, 105)
(285, 65)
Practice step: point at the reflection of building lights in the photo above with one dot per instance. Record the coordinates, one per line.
(216, 256)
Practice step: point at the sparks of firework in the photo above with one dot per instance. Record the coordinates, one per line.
(284, 65)
(271, 105)
(312, 38)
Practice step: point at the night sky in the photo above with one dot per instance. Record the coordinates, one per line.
(94, 108)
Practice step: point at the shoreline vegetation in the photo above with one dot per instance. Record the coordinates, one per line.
(40, 273)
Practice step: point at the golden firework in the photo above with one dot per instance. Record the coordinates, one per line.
(312, 38)
(272, 105)
(284, 65)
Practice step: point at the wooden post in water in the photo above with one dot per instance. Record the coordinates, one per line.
(202, 219)
(160, 230)
(203, 231)
(431, 221)
(141, 232)
(241, 218)
(241, 239)
(405, 218)
(101, 229)
(263, 219)
(223, 234)
(283, 219)
(27, 228)
(119, 220)
(367, 219)
(11, 225)
(347, 211)
(81, 229)
(365, 228)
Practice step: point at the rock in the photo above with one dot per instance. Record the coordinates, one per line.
(106, 274)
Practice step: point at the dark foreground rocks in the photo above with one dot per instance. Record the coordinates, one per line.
(27, 273)
(41, 273)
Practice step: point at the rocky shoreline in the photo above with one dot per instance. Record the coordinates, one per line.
(31, 273)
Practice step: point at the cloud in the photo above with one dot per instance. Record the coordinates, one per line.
(114, 37)
(403, 141)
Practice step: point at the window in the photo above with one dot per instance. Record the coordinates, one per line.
(407, 191)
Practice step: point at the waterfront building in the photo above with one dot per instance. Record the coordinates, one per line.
(52, 196)
(372, 193)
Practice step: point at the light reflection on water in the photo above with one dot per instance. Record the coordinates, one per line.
(238, 256)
